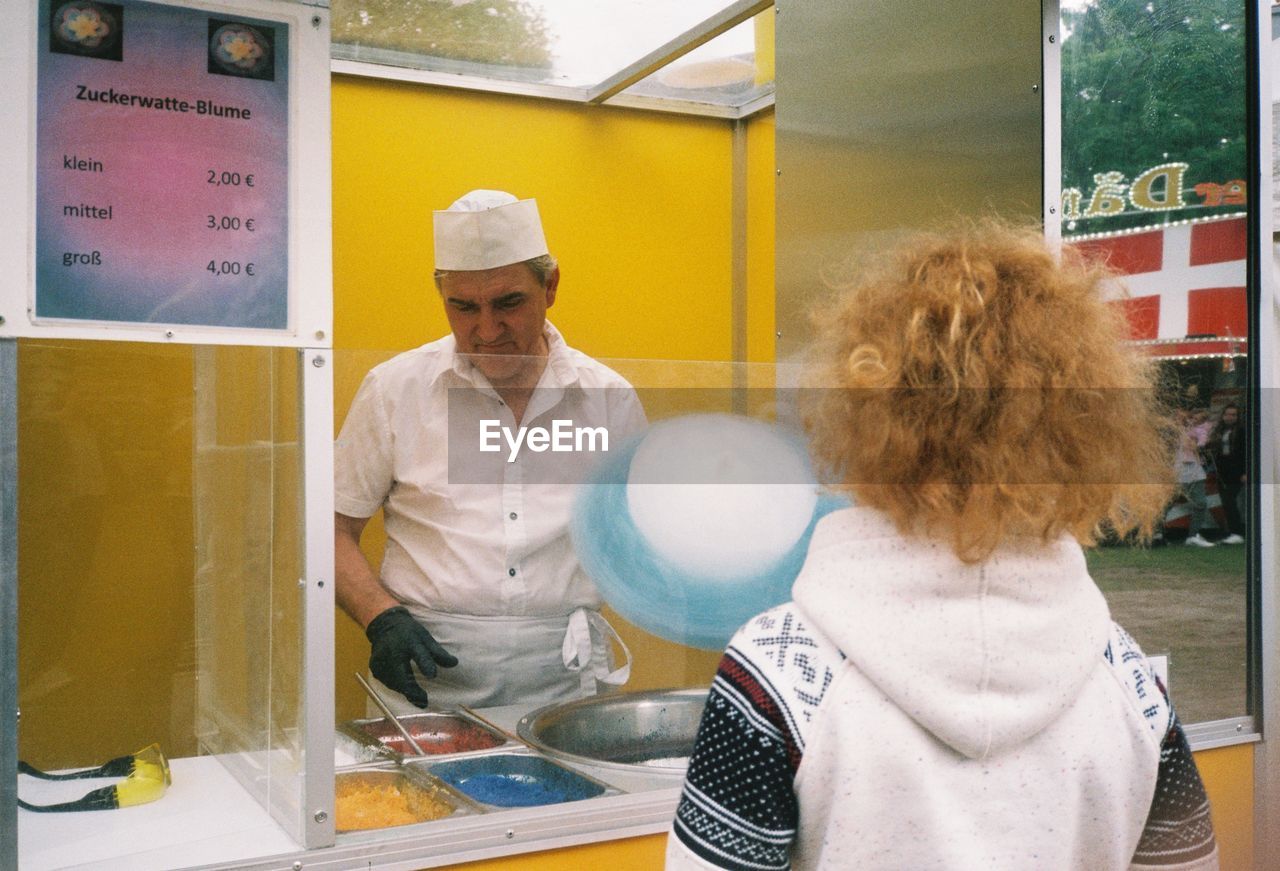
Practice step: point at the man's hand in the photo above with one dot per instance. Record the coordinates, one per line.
(398, 639)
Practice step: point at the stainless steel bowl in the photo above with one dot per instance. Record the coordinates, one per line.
(649, 731)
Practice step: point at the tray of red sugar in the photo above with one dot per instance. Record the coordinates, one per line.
(437, 733)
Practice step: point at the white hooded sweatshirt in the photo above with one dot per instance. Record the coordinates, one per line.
(935, 715)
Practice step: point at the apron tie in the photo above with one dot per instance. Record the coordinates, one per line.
(577, 650)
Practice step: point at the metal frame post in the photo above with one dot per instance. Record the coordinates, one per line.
(9, 603)
(1051, 118)
(1265, 375)
(315, 415)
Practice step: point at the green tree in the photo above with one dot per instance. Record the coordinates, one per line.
(502, 32)
(1148, 82)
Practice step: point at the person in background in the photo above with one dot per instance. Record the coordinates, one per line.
(1189, 466)
(1227, 446)
(479, 590)
(1201, 427)
(947, 689)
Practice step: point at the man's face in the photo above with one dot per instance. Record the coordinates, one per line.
(1230, 416)
(497, 317)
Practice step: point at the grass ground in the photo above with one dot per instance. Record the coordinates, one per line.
(1188, 603)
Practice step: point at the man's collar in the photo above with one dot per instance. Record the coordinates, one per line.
(559, 360)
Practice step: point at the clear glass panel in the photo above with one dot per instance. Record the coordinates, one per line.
(723, 72)
(1153, 162)
(1153, 112)
(571, 43)
(158, 598)
(248, 615)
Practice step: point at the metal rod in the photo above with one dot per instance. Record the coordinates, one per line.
(515, 736)
(377, 700)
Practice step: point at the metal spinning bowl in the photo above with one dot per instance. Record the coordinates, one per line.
(649, 731)
(635, 732)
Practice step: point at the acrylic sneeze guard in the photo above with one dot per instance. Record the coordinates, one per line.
(250, 599)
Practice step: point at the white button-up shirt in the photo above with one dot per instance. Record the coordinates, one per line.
(469, 531)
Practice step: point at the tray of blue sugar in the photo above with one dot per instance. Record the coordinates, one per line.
(509, 780)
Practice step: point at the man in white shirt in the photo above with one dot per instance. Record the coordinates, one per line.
(472, 445)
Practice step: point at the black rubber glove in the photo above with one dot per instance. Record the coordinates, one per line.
(398, 639)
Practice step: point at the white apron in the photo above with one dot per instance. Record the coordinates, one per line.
(531, 661)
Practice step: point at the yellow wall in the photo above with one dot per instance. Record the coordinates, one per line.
(106, 657)
(636, 205)
(631, 854)
(1228, 778)
(761, 164)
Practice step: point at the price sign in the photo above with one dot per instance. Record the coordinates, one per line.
(162, 172)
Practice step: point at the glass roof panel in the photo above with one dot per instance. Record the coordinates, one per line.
(566, 43)
(722, 72)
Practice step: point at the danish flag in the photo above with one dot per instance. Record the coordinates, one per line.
(1184, 280)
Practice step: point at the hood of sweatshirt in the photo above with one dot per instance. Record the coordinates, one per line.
(983, 656)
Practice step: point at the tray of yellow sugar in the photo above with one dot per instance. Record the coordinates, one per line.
(380, 799)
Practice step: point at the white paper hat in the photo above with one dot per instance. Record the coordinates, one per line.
(486, 229)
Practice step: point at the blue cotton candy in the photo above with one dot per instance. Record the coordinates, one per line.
(719, 495)
(689, 600)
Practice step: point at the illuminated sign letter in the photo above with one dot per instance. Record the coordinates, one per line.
(1143, 196)
(1108, 196)
(1071, 203)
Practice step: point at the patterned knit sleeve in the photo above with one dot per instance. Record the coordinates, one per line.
(738, 808)
(1179, 833)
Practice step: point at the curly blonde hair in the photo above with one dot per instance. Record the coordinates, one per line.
(975, 387)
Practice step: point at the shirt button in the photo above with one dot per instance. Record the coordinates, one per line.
(511, 572)
(512, 515)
